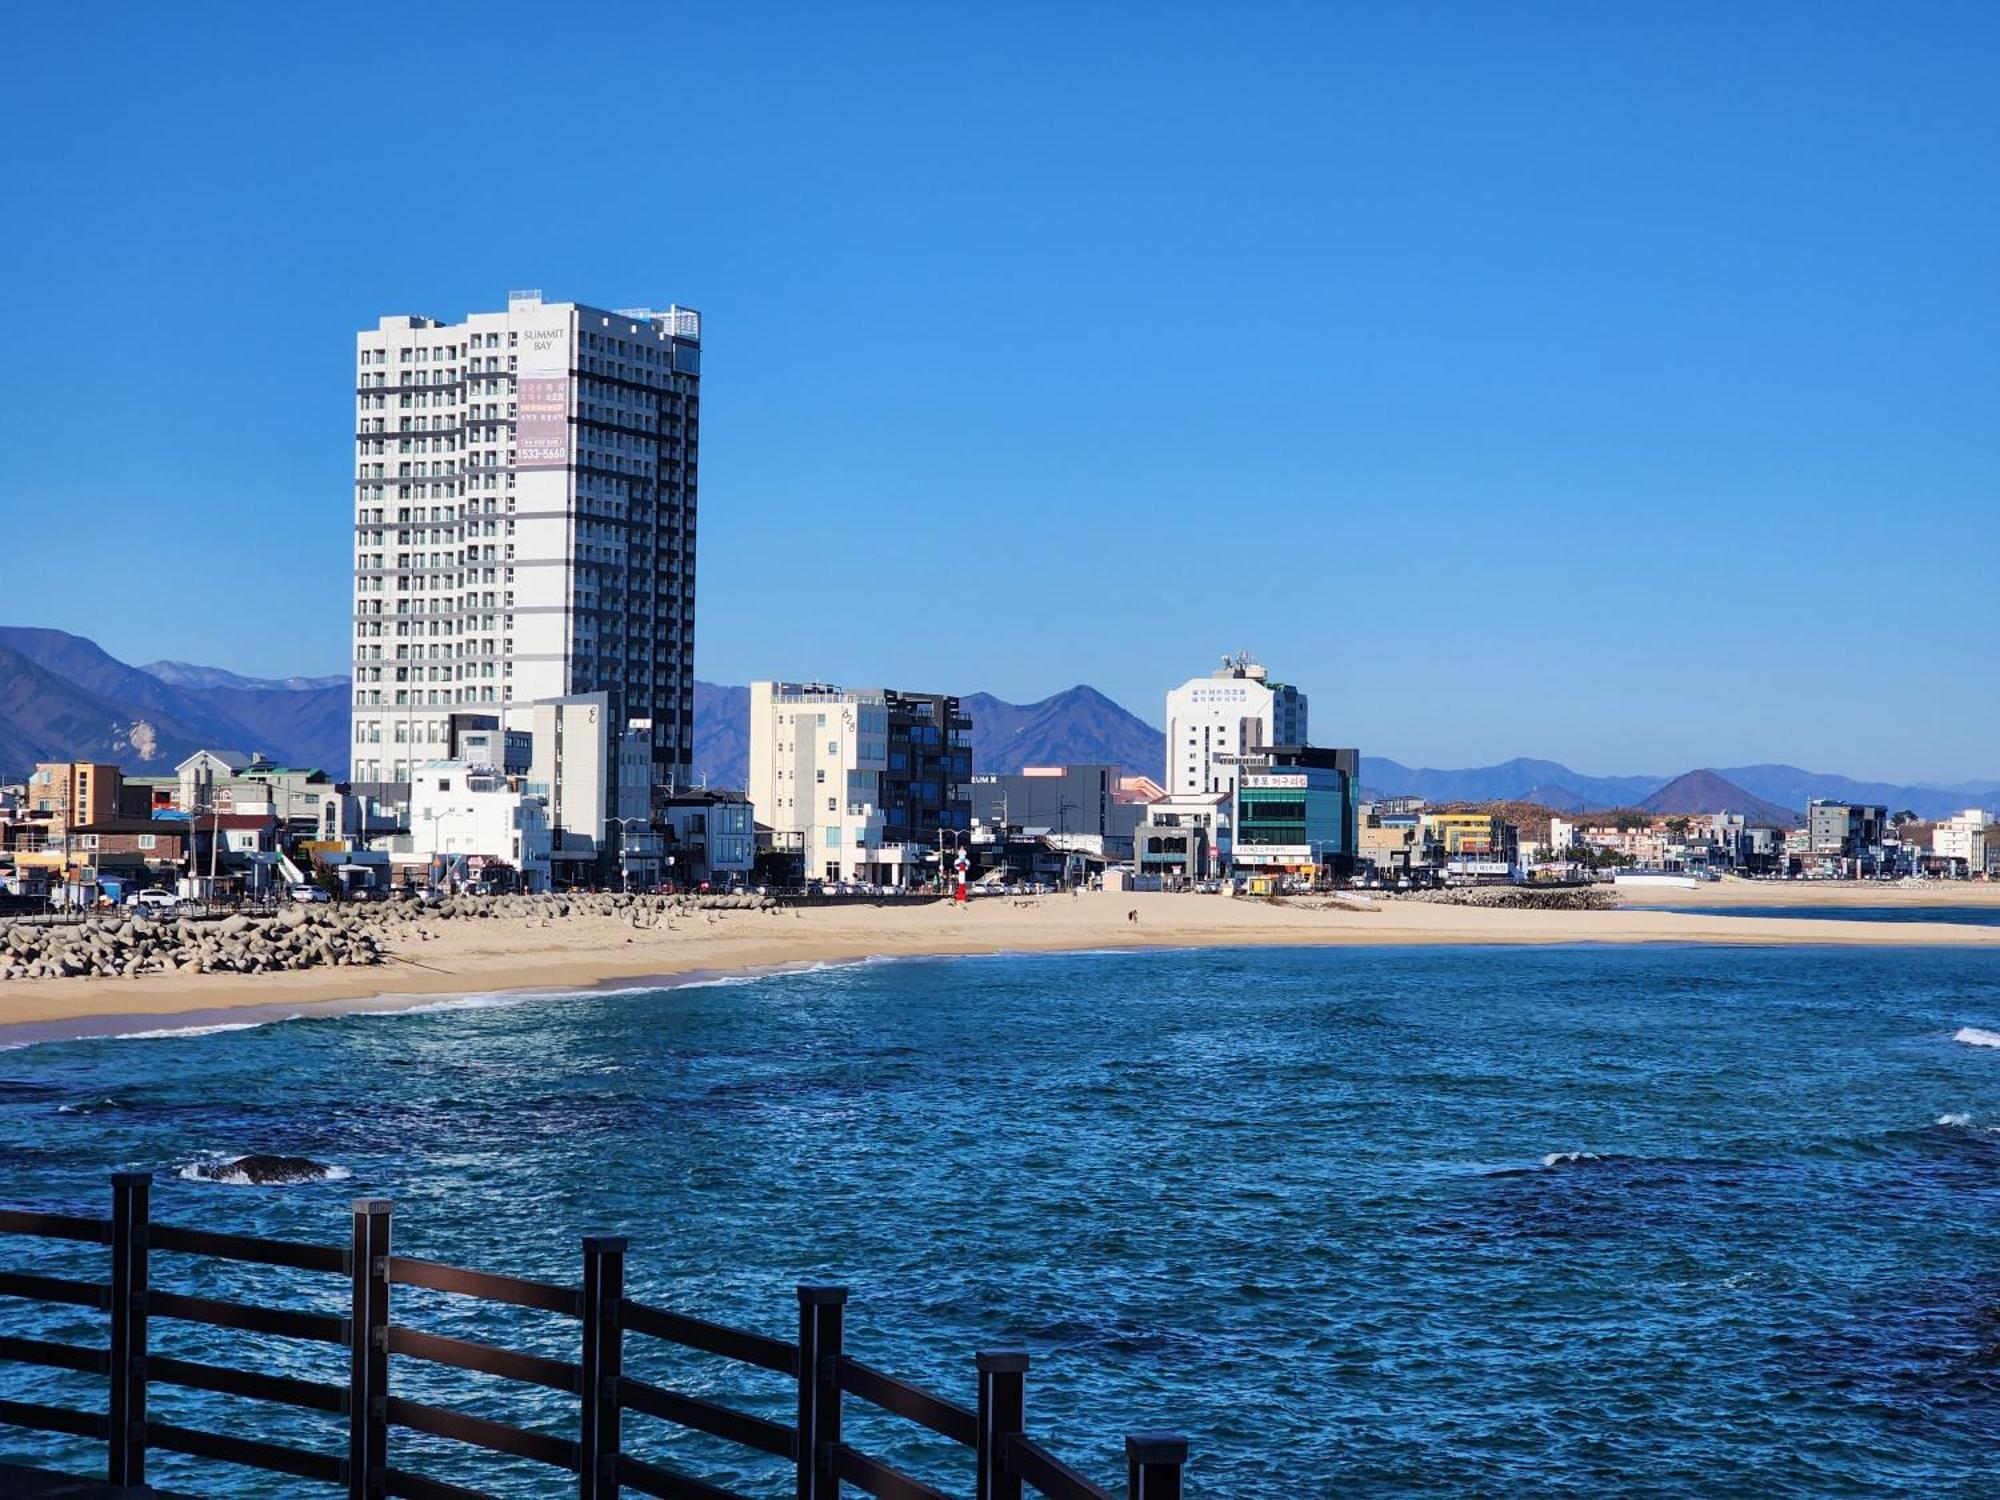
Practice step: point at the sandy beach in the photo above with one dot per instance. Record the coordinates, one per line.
(453, 958)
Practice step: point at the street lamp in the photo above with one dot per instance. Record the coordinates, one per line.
(624, 866)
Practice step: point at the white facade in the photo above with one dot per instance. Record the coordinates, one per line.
(592, 772)
(1967, 836)
(1231, 712)
(524, 522)
(204, 772)
(463, 812)
(817, 757)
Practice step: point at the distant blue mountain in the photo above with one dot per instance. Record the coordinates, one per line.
(63, 697)
(1788, 786)
(1511, 780)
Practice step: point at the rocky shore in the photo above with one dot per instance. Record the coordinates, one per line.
(1518, 897)
(125, 944)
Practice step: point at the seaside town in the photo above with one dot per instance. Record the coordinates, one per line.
(1289, 808)
(522, 724)
(869, 792)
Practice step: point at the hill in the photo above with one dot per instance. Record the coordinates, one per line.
(1709, 792)
(721, 734)
(64, 698)
(1078, 726)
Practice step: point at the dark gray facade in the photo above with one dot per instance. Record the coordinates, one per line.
(1072, 800)
(924, 787)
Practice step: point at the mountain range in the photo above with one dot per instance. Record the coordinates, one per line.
(62, 697)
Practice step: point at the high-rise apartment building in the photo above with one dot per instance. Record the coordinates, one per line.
(524, 523)
(1215, 721)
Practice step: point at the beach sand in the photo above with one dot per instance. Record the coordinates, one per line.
(453, 958)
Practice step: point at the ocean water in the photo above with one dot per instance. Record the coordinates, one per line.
(1976, 916)
(1632, 1221)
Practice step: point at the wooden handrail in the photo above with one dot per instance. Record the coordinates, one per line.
(249, 1249)
(1008, 1461)
(516, 1291)
(711, 1338)
(899, 1398)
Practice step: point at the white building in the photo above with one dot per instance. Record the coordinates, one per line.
(204, 773)
(861, 781)
(524, 522)
(469, 816)
(596, 776)
(1229, 713)
(1972, 838)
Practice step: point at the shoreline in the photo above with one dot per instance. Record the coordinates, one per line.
(464, 959)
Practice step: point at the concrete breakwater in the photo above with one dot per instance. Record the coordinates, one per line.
(304, 936)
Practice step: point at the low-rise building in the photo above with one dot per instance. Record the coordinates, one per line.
(1968, 843)
(1075, 807)
(144, 851)
(1391, 843)
(1844, 830)
(711, 837)
(70, 793)
(1185, 838)
(1297, 811)
(469, 820)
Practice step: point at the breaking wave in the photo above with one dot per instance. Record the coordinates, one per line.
(261, 1171)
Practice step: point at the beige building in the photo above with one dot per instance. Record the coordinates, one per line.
(524, 523)
(69, 793)
(1970, 839)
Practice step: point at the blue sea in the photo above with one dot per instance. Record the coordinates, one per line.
(1634, 1221)
(1975, 916)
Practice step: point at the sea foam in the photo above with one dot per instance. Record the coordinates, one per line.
(277, 1171)
(163, 1032)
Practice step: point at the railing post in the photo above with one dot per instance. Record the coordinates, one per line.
(603, 1364)
(819, 1389)
(1153, 1465)
(1003, 1414)
(131, 1202)
(368, 1380)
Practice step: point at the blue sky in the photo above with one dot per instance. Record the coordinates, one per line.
(1609, 384)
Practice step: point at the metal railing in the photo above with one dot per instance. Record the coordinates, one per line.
(1007, 1464)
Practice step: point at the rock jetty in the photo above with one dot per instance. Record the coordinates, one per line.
(1517, 897)
(303, 936)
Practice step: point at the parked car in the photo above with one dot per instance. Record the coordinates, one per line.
(152, 900)
(303, 892)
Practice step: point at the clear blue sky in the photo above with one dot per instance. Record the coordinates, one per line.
(1611, 383)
